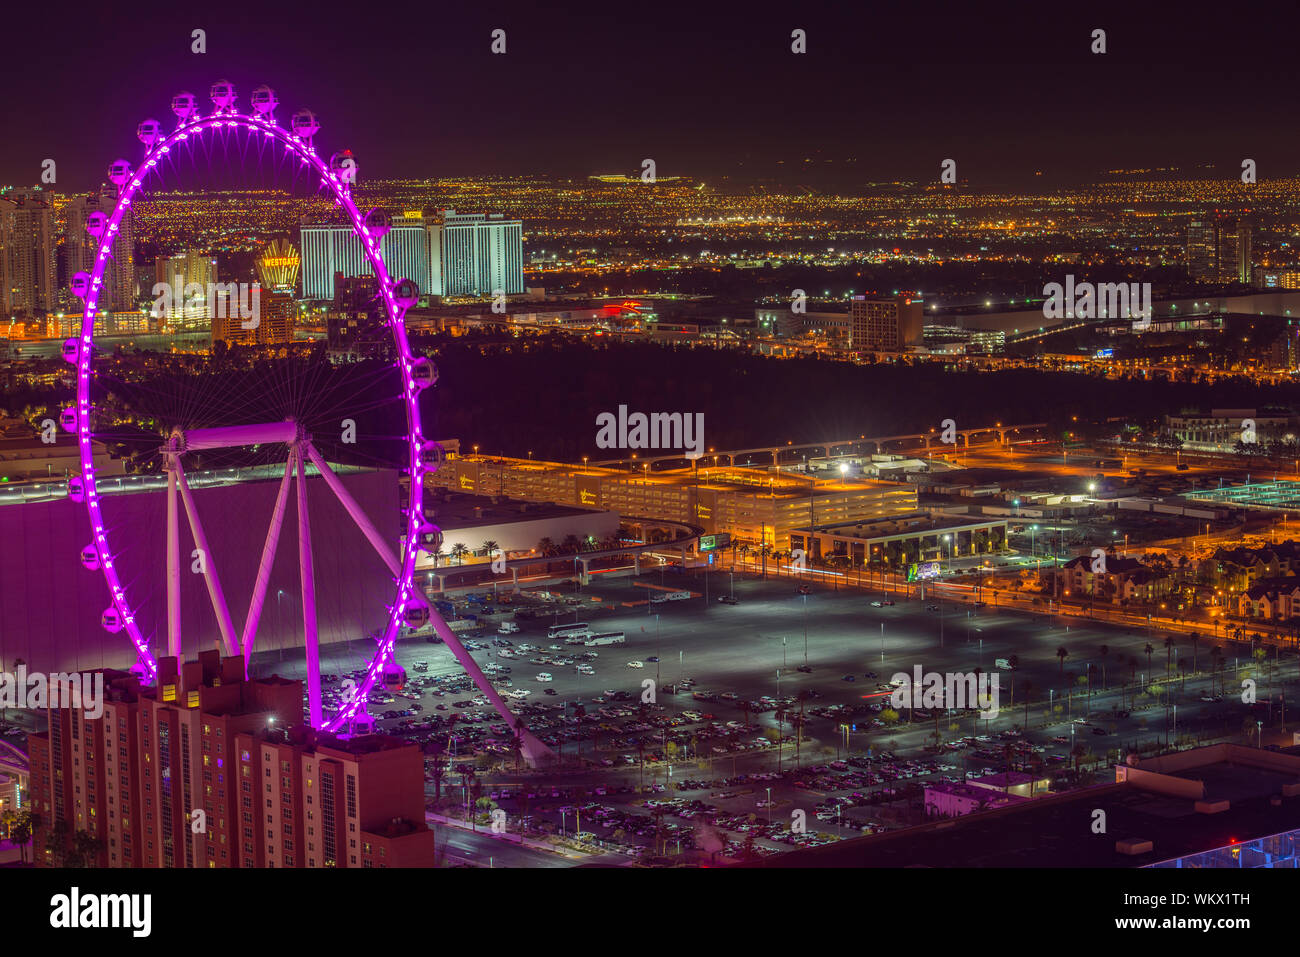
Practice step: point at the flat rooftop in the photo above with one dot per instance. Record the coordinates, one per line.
(915, 523)
(460, 510)
(1056, 830)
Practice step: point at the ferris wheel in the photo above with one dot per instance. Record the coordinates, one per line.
(178, 433)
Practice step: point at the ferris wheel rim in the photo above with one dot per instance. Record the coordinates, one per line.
(128, 186)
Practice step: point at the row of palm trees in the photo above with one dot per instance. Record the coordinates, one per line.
(573, 544)
(548, 547)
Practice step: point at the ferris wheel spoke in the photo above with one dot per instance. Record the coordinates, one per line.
(268, 559)
(208, 565)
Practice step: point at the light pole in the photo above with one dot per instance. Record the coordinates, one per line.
(278, 626)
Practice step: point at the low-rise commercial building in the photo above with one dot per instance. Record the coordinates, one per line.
(902, 539)
(752, 505)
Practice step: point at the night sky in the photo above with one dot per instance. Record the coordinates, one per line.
(705, 89)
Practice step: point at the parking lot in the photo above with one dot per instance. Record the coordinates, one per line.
(686, 744)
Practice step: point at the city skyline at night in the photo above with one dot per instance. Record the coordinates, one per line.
(648, 439)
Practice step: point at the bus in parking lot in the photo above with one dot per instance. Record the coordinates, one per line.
(607, 638)
(575, 630)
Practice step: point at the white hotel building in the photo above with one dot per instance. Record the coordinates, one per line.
(463, 255)
(412, 250)
(481, 254)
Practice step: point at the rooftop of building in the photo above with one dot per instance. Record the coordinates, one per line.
(1056, 830)
(364, 744)
(460, 510)
(1005, 779)
(715, 478)
(985, 795)
(397, 827)
(910, 523)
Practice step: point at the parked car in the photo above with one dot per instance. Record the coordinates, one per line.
(728, 600)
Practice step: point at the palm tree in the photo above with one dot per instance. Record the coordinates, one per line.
(438, 772)
(1078, 751)
(571, 544)
(1169, 654)
(490, 547)
(1104, 650)
(1062, 653)
(1196, 639)
(1149, 650)
(546, 546)
(1026, 686)
(458, 552)
(20, 833)
(87, 847)
(475, 793)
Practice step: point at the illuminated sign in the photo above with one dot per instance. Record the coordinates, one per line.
(921, 571)
(586, 497)
(711, 542)
(413, 214)
(467, 482)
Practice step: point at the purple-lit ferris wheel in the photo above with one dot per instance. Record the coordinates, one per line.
(280, 428)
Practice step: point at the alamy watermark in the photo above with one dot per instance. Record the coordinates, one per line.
(37, 691)
(959, 691)
(1106, 300)
(656, 430)
(217, 300)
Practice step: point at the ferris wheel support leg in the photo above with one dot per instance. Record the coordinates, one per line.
(173, 567)
(308, 597)
(208, 565)
(534, 751)
(264, 569)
